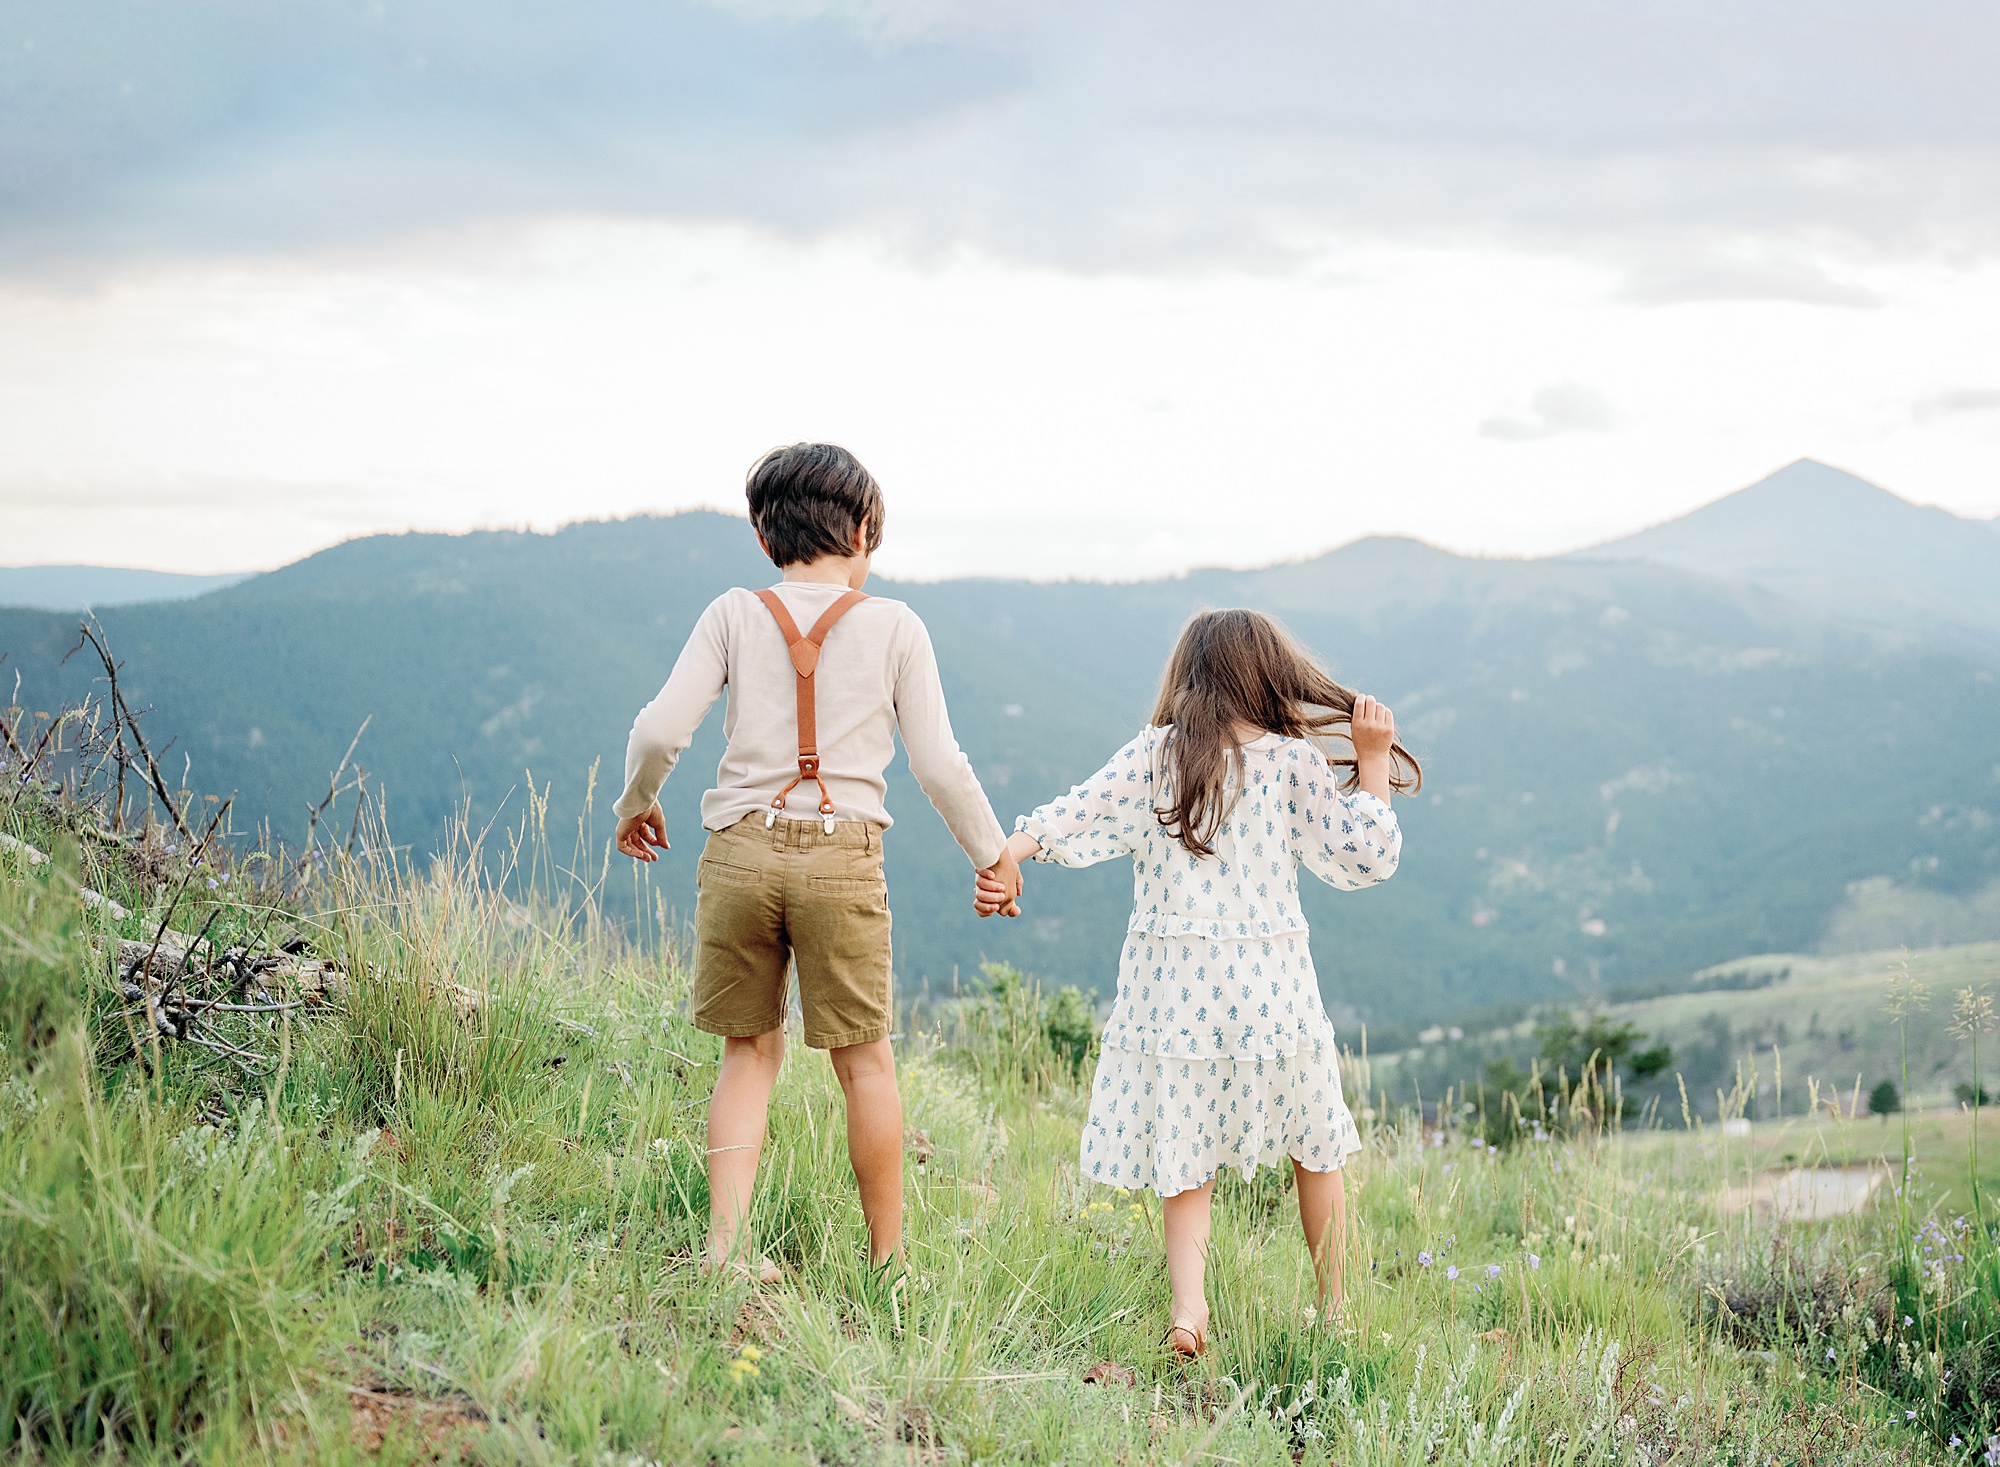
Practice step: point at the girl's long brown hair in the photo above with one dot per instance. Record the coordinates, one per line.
(1240, 667)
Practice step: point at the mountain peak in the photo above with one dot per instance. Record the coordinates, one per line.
(1832, 539)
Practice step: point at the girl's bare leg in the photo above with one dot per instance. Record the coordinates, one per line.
(1323, 1216)
(1186, 1216)
(736, 1116)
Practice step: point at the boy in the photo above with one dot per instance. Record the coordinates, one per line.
(793, 864)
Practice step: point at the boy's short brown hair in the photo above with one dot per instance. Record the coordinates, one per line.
(808, 499)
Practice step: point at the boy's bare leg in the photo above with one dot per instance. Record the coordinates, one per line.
(867, 1075)
(1323, 1215)
(736, 1116)
(1186, 1217)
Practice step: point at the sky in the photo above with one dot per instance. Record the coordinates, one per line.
(1100, 290)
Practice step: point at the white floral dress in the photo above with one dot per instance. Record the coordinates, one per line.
(1218, 1052)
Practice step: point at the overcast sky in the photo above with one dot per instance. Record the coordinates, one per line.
(1099, 289)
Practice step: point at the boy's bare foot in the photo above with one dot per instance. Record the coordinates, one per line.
(762, 1272)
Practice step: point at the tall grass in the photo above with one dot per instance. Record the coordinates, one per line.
(464, 1218)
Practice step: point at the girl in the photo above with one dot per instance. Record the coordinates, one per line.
(1218, 1052)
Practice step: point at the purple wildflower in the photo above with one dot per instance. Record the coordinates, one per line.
(1993, 1451)
(1534, 1260)
(1451, 1272)
(1424, 1257)
(1493, 1270)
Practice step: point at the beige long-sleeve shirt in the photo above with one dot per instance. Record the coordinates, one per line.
(877, 676)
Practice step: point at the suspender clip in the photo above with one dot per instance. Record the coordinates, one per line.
(805, 652)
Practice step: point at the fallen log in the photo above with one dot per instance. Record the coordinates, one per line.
(36, 858)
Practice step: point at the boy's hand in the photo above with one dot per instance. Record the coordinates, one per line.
(997, 889)
(637, 832)
(1372, 729)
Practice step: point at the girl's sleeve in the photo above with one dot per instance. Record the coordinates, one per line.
(1347, 841)
(1105, 816)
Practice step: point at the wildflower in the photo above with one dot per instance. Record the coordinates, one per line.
(1907, 1321)
(1955, 1441)
(212, 883)
(1909, 1416)
(1829, 1352)
(1493, 1270)
(750, 1353)
(1424, 1257)
(1451, 1272)
(1993, 1451)
(1534, 1260)
(660, 1146)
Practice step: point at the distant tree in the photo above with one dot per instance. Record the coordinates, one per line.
(1970, 1094)
(1884, 1100)
(1572, 1047)
(1650, 1062)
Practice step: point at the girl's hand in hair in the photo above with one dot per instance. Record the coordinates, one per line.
(1372, 731)
(1373, 728)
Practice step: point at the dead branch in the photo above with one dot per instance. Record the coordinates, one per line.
(333, 789)
(126, 721)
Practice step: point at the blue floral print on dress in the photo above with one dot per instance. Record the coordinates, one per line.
(1218, 1051)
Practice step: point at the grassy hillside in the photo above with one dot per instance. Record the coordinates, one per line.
(1633, 771)
(425, 1231)
(1761, 1036)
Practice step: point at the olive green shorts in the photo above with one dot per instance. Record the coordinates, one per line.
(793, 892)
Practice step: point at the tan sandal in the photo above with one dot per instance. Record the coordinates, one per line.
(1186, 1340)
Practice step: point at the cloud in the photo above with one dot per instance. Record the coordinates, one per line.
(177, 494)
(1959, 400)
(1678, 282)
(1560, 407)
(1128, 133)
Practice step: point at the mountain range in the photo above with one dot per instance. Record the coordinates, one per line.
(80, 587)
(1640, 760)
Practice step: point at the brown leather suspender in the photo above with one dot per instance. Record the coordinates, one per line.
(805, 652)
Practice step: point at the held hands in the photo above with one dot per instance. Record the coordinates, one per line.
(638, 832)
(997, 889)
